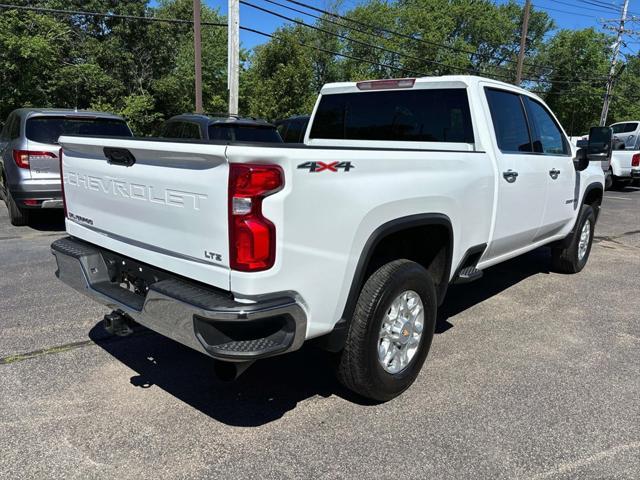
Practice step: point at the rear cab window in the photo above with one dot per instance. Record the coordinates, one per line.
(47, 129)
(433, 115)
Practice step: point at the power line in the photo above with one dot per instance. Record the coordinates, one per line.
(217, 24)
(404, 35)
(371, 62)
(461, 69)
(582, 7)
(104, 15)
(343, 37)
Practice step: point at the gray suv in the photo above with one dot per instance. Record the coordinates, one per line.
(29, 154)
(220, 128)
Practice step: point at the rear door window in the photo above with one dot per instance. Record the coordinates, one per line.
(420, 115)
(509, 121)
(48, 129)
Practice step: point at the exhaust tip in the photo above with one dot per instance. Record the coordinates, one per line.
(229, 371)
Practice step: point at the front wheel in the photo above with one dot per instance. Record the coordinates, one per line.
(391, 331)
(573, 258)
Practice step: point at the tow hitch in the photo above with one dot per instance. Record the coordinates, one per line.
(118, 323)
(230, 371)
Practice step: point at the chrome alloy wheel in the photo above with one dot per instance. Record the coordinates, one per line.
(401, 330)
(585, 235)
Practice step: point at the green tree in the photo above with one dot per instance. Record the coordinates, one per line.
(625, 104)
(280, 79)
(574, 88)
(32, 48)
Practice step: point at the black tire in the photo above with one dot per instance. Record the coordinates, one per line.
(567, 260)
(358, 367)
(18, 216)
(608, 180)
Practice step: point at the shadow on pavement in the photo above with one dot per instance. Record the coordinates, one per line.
(494, 281)
(263, 393)
(47, 220)
(272, 387)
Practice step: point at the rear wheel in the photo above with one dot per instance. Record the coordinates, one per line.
(608, 180)
(391, 331)
(18, 216)
(573, 258)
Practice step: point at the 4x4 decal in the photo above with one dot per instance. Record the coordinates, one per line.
(329, 167)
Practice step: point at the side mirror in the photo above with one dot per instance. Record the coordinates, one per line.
(581, 161)
(582, 143)
(600, 144)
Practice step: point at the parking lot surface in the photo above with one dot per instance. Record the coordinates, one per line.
(531, 375)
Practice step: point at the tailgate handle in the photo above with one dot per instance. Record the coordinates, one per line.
(119, 156)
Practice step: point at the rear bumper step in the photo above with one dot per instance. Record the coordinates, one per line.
(204, 318)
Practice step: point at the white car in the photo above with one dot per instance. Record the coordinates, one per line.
(622, 159)
(401, 188)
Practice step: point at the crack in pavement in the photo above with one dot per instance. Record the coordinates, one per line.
(19, 357)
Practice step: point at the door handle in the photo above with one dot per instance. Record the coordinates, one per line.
(554, 172)
(510, 176)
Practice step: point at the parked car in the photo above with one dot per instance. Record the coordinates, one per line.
(629, 133)
(226, 128)
(247, 251)
(292, 129)
(29, 149)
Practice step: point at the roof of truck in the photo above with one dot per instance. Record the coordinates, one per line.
(451, 81)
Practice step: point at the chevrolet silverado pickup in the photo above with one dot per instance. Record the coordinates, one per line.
(401, 188)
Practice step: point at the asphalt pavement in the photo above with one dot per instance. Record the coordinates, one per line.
(532, 375)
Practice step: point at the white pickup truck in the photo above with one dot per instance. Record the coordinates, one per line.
(400, 188)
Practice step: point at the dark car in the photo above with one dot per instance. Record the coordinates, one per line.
(29, 154)
(221, 128)
(292, 129)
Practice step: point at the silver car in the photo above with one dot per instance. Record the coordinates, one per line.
(29, 154)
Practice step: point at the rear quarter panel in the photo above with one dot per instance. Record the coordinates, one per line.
(323, 219)
(621, 162)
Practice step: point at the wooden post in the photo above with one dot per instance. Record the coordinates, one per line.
(197, 47)
(233, 62)
(523, 41)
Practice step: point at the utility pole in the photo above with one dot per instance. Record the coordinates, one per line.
(233, 55)
(523, 40)
(614, 60)
(197, 47)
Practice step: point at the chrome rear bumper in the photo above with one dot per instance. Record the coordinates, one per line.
(204, 318)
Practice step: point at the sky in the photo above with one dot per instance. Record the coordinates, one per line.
(571, 14)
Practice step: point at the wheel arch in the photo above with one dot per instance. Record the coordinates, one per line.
(425, 222)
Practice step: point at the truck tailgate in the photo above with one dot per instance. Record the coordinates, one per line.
(168, 209)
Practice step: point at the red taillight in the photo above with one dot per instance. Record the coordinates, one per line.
(386, 84)
(64, 199)
(635, 160)
(252, 237)
(23, 158)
